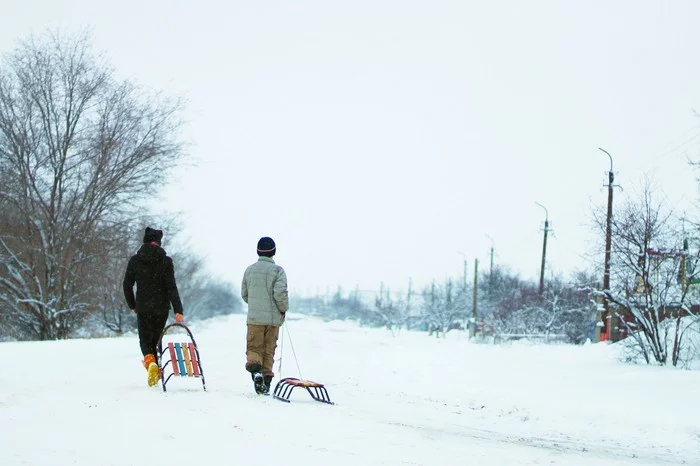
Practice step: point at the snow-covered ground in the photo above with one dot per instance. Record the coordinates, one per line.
(408, 400)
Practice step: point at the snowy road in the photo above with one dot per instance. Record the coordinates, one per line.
(400, 401)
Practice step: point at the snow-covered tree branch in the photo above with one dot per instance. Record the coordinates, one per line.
(650, 292)
(78, 151)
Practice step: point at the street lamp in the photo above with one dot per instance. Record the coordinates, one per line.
(608, 240)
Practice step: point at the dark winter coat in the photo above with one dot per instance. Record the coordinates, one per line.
(152, 271)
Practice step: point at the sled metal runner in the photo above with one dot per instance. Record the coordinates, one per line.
(284, 388)
(184, 357)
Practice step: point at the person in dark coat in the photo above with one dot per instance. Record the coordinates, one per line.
(151, 269)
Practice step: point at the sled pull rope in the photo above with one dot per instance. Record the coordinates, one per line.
(289, 335)
(279, 367)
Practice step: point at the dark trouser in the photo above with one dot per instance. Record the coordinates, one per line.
(261, 344)
(150, 327)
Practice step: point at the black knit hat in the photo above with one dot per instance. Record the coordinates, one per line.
(266, 247)
(152, 236)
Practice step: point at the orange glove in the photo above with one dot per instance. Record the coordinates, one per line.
(178, 318)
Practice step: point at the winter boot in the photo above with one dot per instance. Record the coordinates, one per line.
(268, 382)
(259, 383)
(149, 362)
(258, 380)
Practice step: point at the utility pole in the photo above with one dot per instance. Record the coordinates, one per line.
(464, 276)
(491, 264)
(464, 281)
(544, 246)
(476, 276)
(608, 318)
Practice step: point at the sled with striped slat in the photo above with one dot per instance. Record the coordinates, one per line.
(180, 358)
(184, 358)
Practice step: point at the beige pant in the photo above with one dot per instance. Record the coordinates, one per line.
(261, 342)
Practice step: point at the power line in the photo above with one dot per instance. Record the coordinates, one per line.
(679, 146)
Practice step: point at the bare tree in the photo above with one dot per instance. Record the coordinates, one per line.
(563, 312)
(444, 307)
(515, 309)
(505, 308)
(78, 151)
(202, 296)
(650, 297)
(390, 312)
(107, 293)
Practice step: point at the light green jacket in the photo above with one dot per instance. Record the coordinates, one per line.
(264, 288)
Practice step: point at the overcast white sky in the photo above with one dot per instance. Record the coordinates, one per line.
(383, 140)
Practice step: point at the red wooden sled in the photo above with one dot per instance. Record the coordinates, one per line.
(284, 388)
